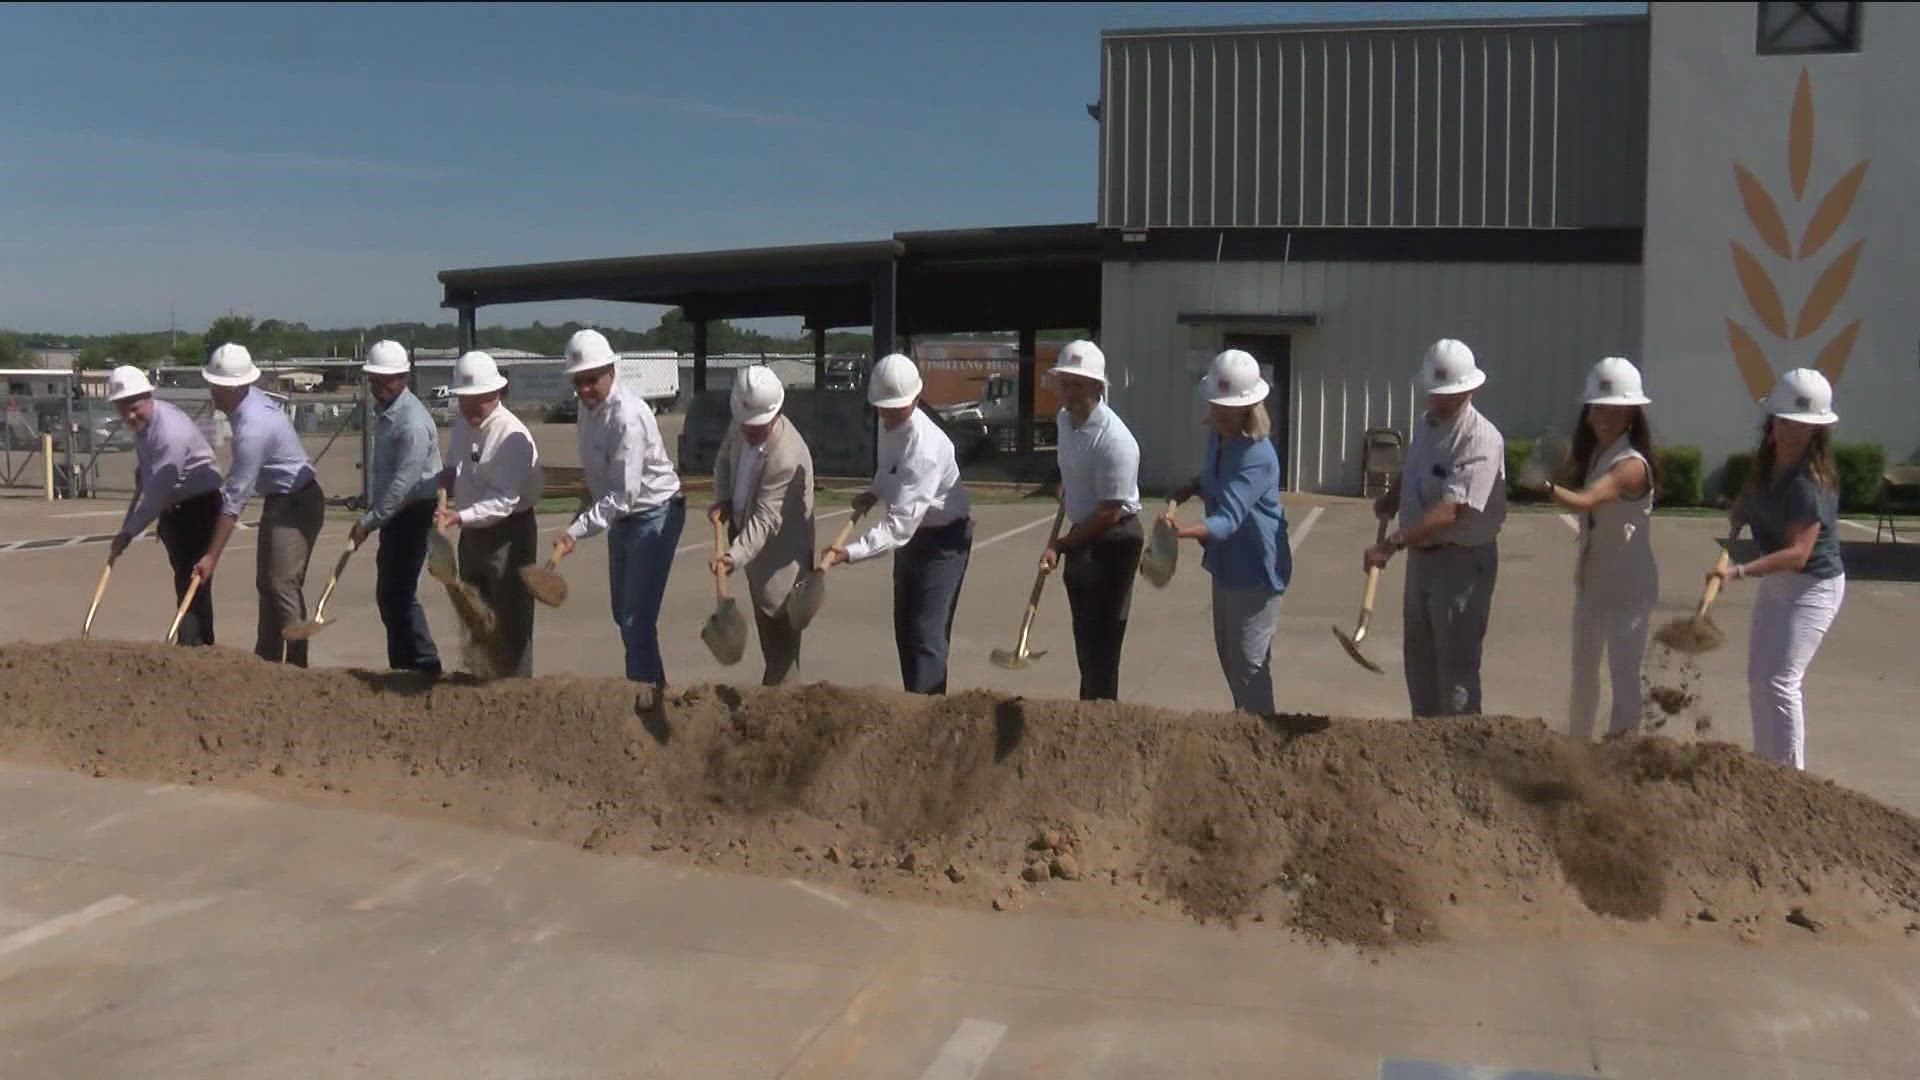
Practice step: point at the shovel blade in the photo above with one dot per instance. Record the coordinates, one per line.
(1016, 661)
(1352, 645)
(545, 583)
(803, 603)
(1162, 556)
(306, 630)
(725, 633)
(441, 564)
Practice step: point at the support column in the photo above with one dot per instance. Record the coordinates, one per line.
(466, 330)
(1026, 391)
(699, 356)
(819, 357)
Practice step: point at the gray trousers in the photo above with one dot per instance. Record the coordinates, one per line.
(779, 645)
(1449, 595)
(289, 527)
(490, 560)
(928, 572)
(1243, 625)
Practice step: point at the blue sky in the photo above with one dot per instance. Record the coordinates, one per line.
(321, 164)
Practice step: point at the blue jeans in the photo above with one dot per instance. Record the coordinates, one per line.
(640, 554)
(396, 590)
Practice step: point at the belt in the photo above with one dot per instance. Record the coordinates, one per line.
(311, 482)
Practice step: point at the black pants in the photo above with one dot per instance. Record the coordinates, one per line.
(927, 575)
(186, 531)
(1099, 580)
(403, 551)
(490, 560)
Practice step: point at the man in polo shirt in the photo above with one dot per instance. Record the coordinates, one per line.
(175, 483)
(267, 458)
(1100, 486)
(1452, 500)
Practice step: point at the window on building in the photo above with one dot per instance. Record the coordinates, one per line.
(1797, 27)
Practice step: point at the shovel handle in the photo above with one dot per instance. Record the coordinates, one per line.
(719, 547)
(1040, 579)
(338, 569)
(100, 590)
(173, 632)
(1713, 583)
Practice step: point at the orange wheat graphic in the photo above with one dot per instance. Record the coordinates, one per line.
(1762, 293)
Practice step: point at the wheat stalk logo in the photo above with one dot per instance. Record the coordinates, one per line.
(1762, 293)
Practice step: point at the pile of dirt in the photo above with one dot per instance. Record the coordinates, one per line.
(1369, 832)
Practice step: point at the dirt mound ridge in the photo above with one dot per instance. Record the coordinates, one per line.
(1371, 832)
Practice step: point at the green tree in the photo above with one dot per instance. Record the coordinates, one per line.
(237, 329)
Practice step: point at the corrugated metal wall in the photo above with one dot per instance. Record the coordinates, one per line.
(1535, 328)
(1527, 125)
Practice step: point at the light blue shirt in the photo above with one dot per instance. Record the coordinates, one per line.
(173, 463)
(1246, 542)
(267, 455)
(1099, 463)
(406, 458)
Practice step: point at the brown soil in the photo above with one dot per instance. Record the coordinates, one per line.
(1370, 832)
(1690, 635)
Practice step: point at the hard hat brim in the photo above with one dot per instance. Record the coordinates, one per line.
(246, 378)
(492, 386)
(1816, 419)
(1077, 373)
(382, 369)
(579, 366)
(1618, 399)
(893, 402)
(139, 391)
(1473, 381)
(1253, 395)
(759, 418)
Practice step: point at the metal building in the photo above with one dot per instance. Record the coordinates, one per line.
(1334, 198)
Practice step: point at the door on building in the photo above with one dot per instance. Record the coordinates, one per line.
(1275, 353)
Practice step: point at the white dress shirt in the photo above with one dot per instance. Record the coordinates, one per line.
(625, 462)
(919, 480)
(1099, 463)
(496, 468)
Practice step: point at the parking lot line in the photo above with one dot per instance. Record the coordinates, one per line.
(966, 1050)
(72, 920)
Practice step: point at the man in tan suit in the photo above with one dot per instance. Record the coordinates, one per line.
(763, 487)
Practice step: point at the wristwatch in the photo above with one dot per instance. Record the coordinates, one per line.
(1397, 541)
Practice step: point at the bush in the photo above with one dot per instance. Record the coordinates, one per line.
(1860, 466)
(1518, 450)
(1680, 476)
(1733, 479)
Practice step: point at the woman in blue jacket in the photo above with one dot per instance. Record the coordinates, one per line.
(1245, 530)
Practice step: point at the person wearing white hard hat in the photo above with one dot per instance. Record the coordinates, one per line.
(1609, 481)
(493, 472)
(176, 488)
(636, 495)
(1792, 504)
(929, 524)
(267, 458)
(1245, 530)
(1100, 486)
(406, 467)
(763, 492)
(1451, 499)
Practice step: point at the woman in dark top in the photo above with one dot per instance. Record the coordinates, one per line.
(1791, 502)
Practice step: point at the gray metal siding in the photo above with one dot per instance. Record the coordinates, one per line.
(1535, 328)
(1516, 126)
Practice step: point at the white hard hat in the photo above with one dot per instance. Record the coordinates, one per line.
(757, 395)
(895, 382)
(1615, 381)
(1233, 379)
(1805, 395)
(588, 350)
(476, 373)
(1449, 368)
(230, 365)
(127, 381)
(1081, 359)
(386, 358)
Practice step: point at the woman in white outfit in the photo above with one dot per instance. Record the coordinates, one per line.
(1792, 503)
(1609, 483)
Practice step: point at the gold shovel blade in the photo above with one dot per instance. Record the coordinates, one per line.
(306, 630)
(1016, 661)
(1352, 645)
(725, 633)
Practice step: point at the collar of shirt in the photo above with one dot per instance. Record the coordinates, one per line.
(1096, 419)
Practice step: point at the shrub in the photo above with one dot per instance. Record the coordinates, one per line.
(1518, 450)
(1860, 466)
(1733, 479)
(1680, 475)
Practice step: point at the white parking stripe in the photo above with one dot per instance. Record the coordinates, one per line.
(967, 1050)
(708, 544)
(1570, 522)
(73, 920)
(1297, 537)
(1867, 528)
(1011, 533)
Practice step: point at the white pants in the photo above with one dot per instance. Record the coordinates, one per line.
(1791, 613)
(1604, 624)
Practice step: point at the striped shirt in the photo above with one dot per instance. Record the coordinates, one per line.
(1462, 460)
(267, 455)
(173, 463)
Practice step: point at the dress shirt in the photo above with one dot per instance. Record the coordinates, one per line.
(920, 482)
(496, 468)
(172, 463)
(625, 461)
(406, 458)
(267, 455)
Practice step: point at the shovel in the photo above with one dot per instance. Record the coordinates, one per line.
(1549, 455)
(173, 632)
(100, 590)
(441, 564)
(306, 630)
(1352, 644)
(1696, 633)
(1020, 657)
(803, 603)
(545, 582)
(725, 632)
(1162, 553)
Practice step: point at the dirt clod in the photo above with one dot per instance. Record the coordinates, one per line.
(1065, 867)
(1419, 831)
(1800, 918)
